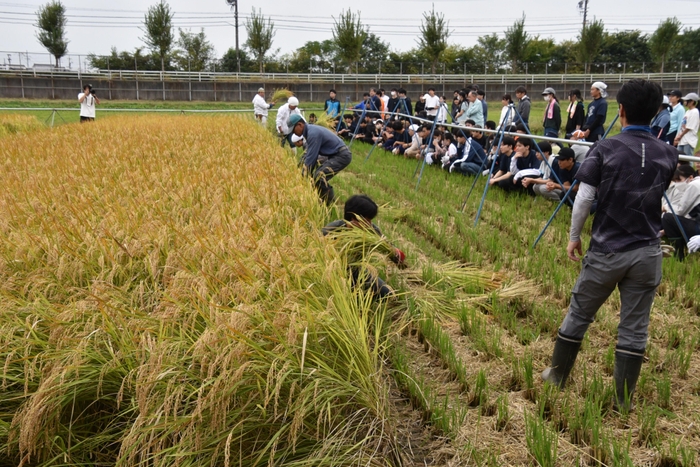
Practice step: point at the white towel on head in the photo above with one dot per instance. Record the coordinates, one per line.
(601, 86)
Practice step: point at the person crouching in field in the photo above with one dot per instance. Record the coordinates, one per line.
(320, 141)
(630, 173)
(359, 212)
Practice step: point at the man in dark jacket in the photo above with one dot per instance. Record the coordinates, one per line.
(594, 128)
(523, 114)
(630, 173)
(320, 141)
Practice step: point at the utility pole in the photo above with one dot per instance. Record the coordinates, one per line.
(583, 8)
(234, 6)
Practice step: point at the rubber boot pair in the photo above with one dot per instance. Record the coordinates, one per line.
(563, 359)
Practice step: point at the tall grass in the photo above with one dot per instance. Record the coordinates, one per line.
(167, 299)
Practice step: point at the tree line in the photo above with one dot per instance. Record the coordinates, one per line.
(355, 49)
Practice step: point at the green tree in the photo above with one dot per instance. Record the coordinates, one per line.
(260, 36)
(51, 21)
(625, 50)
(664, 38)
(589, 42)
(687, 47)
(349, 35)
(229, 62)
(125, 60)
(539, 53)
(158, 23)
(490, 52)
(408, 62)
(313, 56)
(460, 60)
(195, 53)
(564, 56)
(433, 39)
(516, 43)
(374, 50)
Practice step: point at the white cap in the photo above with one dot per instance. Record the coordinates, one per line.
(691, 97)
(413, 127)
(293, 101)
(666, 101)
(296, 139)
(601, 86)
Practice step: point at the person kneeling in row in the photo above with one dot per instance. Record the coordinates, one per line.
(359, 212)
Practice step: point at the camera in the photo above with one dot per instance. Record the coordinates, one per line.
(92, 91)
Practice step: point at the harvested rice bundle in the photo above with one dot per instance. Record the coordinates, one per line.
(282, 95)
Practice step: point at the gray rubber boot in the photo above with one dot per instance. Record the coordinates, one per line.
(563, 359)
(628, 365)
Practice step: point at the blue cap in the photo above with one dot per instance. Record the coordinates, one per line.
(293, 120)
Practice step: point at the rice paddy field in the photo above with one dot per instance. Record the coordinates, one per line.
(167, 298)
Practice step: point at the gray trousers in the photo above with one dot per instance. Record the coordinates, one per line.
(636, 273)
(554, 195)
(327, 170)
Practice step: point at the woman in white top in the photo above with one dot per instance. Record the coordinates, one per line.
(506, 101)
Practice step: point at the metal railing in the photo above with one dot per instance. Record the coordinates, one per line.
(208, 76)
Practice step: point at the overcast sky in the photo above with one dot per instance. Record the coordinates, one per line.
(95, 26)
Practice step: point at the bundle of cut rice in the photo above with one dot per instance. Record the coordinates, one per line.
(281, 95)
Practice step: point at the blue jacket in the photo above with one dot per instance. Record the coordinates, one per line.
(332, 107)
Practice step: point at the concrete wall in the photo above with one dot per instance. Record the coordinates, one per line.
(47, 88)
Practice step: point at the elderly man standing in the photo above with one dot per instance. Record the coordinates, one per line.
(325, 156)
(284, 114)
(260, 107)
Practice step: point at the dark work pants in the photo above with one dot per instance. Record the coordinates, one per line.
(673, 232)
(636, 273)
(327, 170)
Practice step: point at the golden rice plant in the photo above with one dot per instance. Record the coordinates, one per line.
(281, 95)
(14, 123)
(166, 298)
(326, 120)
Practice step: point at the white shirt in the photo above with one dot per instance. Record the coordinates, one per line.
(87, 107)
(504, 113)
(442, 113)
(283, 115)
(431, 102)
(260, 106)
(385, 99)
(691, 122)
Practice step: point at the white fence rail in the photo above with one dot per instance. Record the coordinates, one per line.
(132, 75)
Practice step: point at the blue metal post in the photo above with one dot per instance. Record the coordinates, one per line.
(678, 221)
(605, 135)
(422, 165)
(493, 164)
(342, 114)
(554, 214)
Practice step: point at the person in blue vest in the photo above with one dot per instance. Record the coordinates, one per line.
(332, 105)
